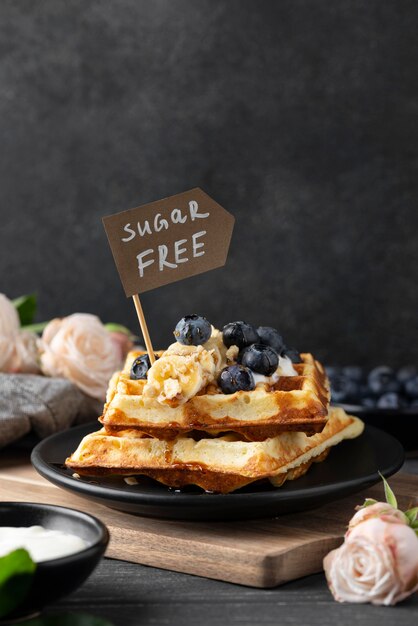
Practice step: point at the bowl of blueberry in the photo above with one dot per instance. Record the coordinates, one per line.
(379, 396)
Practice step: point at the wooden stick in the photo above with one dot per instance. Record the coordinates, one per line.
(144, 327)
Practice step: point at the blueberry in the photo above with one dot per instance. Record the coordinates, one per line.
(260, 359)
(332, 371)
(344, 390)
(382, 380)
(236, 378)
(292, 354)
(411, 387)
(140, 367)
(239, 334)
(368, 403)
(406, 373)
(353, 372)
(389, 400)
(193, 330)
(270, 337)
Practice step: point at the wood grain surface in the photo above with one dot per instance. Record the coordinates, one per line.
(130, 594)
(258, 553)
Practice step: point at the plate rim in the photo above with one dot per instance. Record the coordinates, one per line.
(173, 498)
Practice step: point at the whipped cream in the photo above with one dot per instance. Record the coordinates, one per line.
(260, 379)
(286, 367)
(42, 543)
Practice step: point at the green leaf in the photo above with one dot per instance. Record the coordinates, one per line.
(16, 573)
(390, 496)
(68, 619)
(117, 328)
(414, 524)
(26, 308)
(412, 514)
(36, 328)
(369, 502)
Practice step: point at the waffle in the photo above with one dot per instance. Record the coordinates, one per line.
(294, 403)
(221, 464)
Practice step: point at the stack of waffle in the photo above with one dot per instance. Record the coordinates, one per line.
(178, 427)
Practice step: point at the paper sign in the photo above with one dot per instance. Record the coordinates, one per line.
(168, 240)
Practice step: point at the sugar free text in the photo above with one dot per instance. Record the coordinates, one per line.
(168, 255)
(177, 254)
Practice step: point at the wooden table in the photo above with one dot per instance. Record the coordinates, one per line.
(129, 594)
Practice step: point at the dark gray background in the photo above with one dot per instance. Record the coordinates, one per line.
(299, 117)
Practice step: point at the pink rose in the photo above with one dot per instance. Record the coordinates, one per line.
(18, 349)
(9, 331)
(79, 347)
(377, 563)
(385, 511)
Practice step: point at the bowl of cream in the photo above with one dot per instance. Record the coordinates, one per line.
(65, 544)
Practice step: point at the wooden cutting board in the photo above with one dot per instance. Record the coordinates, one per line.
(258, 553)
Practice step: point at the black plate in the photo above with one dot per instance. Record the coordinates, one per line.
(401, 423)
(351, 466)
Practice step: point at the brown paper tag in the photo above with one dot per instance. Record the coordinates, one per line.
(165, 241)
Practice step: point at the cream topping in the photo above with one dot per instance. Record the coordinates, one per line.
(182, 371)
(42, 543)
(286, 367)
